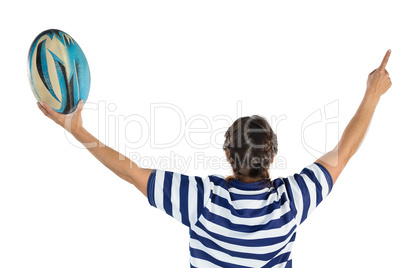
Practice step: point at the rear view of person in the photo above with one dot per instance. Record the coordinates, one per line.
(245, 220)
(248, 219)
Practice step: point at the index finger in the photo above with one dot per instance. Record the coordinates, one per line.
(385, 60)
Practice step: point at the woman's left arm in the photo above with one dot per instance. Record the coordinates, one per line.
(116, 162)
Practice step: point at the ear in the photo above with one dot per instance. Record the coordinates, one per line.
(272, 159)
(226, 153)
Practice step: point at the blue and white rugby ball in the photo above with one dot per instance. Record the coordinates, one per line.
(58, 71)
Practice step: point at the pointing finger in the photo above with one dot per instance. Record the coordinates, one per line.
(385, 60)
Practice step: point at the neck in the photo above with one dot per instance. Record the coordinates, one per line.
(250, 179)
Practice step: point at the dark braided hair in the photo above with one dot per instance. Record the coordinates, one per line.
(250, 145)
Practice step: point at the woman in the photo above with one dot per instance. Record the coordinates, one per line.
(248, 219)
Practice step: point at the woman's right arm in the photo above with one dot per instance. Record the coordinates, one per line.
(116, 162)
(377, 84)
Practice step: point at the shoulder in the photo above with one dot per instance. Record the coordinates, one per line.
(218, 181)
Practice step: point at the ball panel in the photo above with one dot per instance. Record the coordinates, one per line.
(42, 69)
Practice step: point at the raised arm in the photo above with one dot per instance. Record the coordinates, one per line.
(116, 162)
(377, 84)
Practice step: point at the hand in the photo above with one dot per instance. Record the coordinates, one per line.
(378, 81)
(71, 122)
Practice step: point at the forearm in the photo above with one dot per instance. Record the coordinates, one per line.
(336, 159)
(116, 162)
(357, 127)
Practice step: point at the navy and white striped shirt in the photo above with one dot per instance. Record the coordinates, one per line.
(243, 224)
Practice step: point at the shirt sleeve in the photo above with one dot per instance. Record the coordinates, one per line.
(307, 189)
(180, 196)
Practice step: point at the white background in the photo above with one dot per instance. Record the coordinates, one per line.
(59, 207)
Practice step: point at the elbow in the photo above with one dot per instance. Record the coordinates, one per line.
(339, 157)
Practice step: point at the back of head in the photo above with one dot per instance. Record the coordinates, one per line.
(250, 145)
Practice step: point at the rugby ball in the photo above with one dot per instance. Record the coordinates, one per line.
(58, 71)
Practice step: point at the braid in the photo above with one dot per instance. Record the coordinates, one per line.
(250, 154)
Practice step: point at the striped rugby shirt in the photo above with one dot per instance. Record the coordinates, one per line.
(243, 224)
